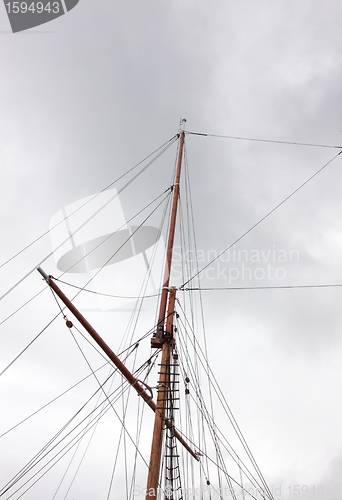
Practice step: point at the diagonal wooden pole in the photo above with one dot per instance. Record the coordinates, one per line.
(112, 356)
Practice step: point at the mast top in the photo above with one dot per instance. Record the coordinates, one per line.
(158, 337)
(182, 125)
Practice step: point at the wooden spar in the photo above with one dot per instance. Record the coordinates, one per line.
(163, 391)
(112, 356)
(118, 363)
(157, 340)
(164, 337)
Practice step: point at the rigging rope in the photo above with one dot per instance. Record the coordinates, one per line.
(108, 260)
(167, 143)
(68, 447)
(205, 289)
(223, 401)
(83, 288)
(40, 455)
(29, 345)
(108, 294)
(168, 191)
(82, 225)
(52, 400)
(264, 140)
(263, 218)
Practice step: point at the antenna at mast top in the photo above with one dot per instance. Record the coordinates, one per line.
(182, 125)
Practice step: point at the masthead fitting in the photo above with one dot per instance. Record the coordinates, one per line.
(182, 125)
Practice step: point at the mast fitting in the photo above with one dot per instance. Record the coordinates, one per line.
(182, 125)
(147, 387)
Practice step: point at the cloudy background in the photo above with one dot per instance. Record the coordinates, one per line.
(90, 94)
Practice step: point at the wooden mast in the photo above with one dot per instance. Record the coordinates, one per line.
(163, 392)
(164, 338)
(157, 340)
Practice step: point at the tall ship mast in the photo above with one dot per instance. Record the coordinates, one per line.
(190, 452)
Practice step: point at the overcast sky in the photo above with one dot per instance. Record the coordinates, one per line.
(90, 94)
